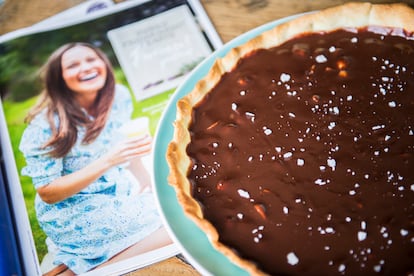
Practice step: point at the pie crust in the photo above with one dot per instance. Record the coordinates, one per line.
(351, 15)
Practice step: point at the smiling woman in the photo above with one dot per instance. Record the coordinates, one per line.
(84, 72)
(92, 206)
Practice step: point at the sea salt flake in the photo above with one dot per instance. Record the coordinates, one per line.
(243, 193)
(292, 259)
(320, 182)
(331, 125)
(331, 163)
(392, 104)
(335, 110)
(362, 235)
(233, 106)
(267, 131)
(378, 127)
(341, 268)
(321, 59)
(403, 232)
(363, 225)
(284, 77)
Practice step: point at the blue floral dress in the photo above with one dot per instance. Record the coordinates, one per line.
(104, 218)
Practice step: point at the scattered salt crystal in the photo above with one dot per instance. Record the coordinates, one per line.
(331, 163)
(284, 77)
(362, 235)
(363, 225)
(320, 182)
(267, 131)
(292, 259)
(335, 110)
(378, 127)
(243, 193)
(321, 59)
(392, 104)
(377, 268)
(331, 125)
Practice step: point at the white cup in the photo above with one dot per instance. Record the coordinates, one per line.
(135, 127)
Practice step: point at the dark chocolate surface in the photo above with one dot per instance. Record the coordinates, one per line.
(303, 155)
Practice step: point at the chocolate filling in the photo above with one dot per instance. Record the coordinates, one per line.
(303, 154)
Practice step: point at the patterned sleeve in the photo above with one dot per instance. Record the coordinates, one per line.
(42, 168)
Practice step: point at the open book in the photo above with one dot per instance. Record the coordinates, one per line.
(151, 47)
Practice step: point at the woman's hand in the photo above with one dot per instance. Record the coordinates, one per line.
(73, 183)
(128, 149)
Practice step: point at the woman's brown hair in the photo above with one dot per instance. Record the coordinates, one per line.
(59, 100)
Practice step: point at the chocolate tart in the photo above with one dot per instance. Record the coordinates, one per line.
(295, 153)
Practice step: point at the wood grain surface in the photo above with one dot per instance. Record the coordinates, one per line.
(230, 17)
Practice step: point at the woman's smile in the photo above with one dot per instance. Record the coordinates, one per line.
(89, 76)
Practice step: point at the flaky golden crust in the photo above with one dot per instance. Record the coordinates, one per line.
(352, 15)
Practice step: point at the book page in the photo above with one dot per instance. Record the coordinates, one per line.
(26, 57)
(156, 53)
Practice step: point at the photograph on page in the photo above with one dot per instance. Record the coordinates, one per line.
(81, 115)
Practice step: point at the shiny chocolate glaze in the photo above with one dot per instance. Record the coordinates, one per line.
(303, 155)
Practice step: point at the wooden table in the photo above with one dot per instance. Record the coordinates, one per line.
(230, 17)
